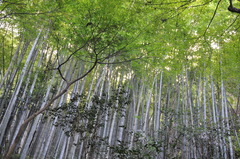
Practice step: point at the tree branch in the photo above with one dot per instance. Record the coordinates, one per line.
(68, 58)
(120, 62)
(231, 8)
(46, 106)
(214, 14)
(10, 14)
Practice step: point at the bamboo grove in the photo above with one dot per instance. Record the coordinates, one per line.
(108, 79)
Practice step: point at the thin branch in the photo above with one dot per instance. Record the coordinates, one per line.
(230, 25)
(120, 62)
(69, 57)
(60, 72)
(149, 3)
(8, 15)
(60, 65)
(214, 14)
(59, 69)
(9, 3)
(200, 5)
(116, 53)
(90, 70)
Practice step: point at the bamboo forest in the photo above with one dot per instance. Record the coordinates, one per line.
(119, 79)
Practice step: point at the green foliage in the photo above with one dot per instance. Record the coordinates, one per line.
(200, 37)
(141, 150)
(7, 47)
(164, 35)
(70, 114)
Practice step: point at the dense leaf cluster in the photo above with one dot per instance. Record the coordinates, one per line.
(79, 116)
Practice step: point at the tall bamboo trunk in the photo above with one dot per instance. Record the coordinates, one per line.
(11, 104)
